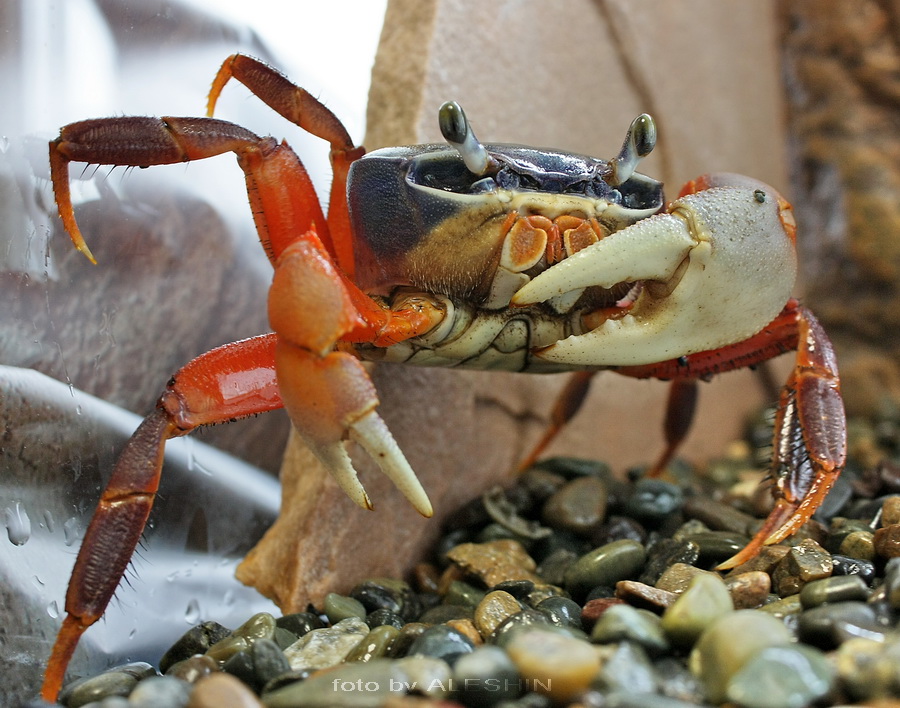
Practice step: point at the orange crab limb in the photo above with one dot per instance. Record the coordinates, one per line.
(301, 108)
(810, 439)
(230, 382)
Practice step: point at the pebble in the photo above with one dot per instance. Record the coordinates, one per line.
(375, 645)
(555, 665)
(652, 500)
(717, 515)
(594, 609)
(495, 607)
(869, 670)
(843, 565)
(782, 677)
(579, 506)
(627, 670)
(625, 623)
(193, 669)
(678, 577)
(705, 600)
(388, 594)
(160, 692)
(118, 681)
(197, 640)
(299, 623)
(504, 623)
(561, 611)
(802, 564)
(887, 541)
(495, 561)
(834, 589)
(748, 590)
(466, 627)
(354, 685)
(442, 642)
(644, 596)
(820, 625)
(222, 691)
(463, 594)
(665, 553)
(859, 544)
(339, 607)
(321, 648)
(890, 510)
(718, 654)
(486, 677)
(606, 565)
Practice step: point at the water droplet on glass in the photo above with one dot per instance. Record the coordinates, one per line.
(53, 609)
(18, 525)
(171, 576)
(49, 521)
(229, 598)
(70, 531)
(192, 613)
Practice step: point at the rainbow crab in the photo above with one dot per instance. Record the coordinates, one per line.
(481, 256)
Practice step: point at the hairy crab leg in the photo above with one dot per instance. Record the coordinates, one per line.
(246, 377)
(299, 107)
(810, 429)
(810, 446)
(197, 395)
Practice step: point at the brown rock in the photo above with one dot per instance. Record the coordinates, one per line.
(887, 541)
(495, 561)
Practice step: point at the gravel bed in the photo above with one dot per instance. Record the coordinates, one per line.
(575, 587)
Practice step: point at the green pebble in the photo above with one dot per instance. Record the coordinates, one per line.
(376, 644)
(625, 623)
(728, 643)
(782, 677)
(354, 685)
(463, 594)
(259, 626)
(605, 565)
(839, 588)
(628, 670)
(859, 544)
(783, 607)
(705, 600)
(341, 607)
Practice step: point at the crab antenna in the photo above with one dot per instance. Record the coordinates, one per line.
(456, 130)
(639, 142)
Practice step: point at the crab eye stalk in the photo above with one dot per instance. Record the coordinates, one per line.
(456, 130)
(639, 142)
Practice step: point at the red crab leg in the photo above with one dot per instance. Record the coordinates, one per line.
(313, 305)
(810, 429)
(301, 108)
(233, 381)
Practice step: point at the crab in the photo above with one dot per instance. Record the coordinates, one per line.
(470, 255)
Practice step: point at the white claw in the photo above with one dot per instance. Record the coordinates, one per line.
(715, 271)
(337, 461)
(372, 433)
(651, 249)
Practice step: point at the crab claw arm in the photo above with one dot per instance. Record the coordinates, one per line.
(327, 394)
(716, 269)
(810, 444)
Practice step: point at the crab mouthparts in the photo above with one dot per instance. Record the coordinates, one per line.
(662, 256)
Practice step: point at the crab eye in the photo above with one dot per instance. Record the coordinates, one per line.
(639, 142)
(456, 130)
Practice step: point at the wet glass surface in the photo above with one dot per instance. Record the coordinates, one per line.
(180, 271)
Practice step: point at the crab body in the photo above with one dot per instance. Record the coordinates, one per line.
(471, 255)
